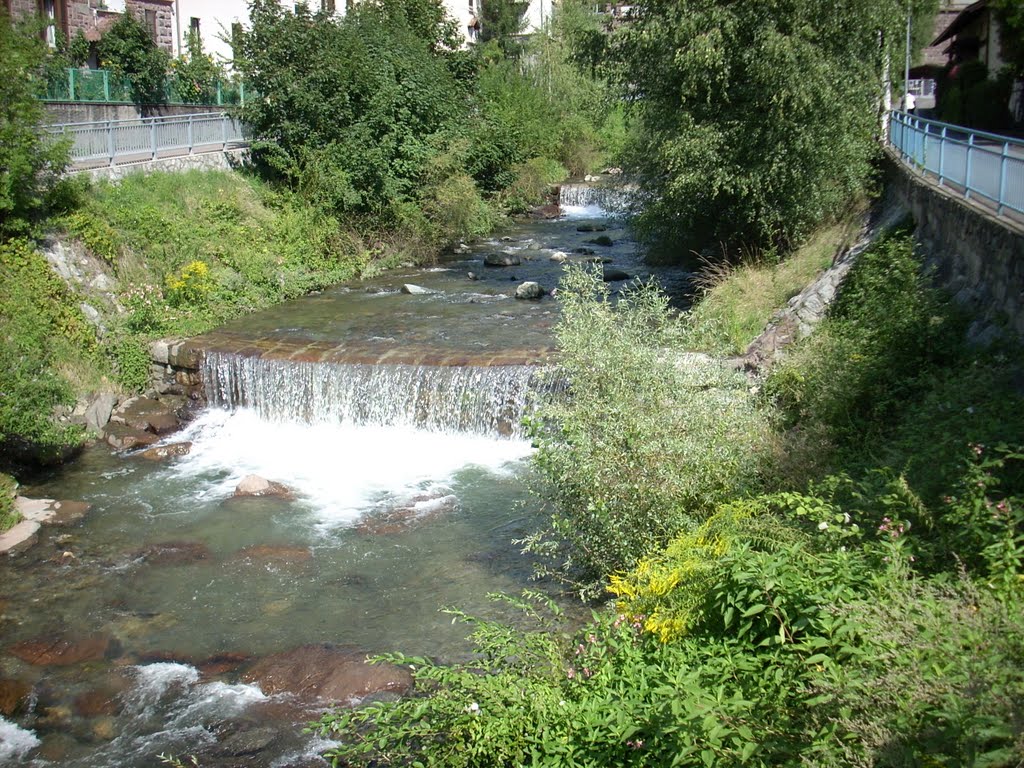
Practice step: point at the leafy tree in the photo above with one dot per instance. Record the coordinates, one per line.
(128, 50)
(503, 21)
(757, 119)
(352, 110)
(1010, 14)
(196, 73)
(29, 161)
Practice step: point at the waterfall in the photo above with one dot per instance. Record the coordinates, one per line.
(606, 198)
(485, 400)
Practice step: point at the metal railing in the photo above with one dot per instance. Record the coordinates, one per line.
(148, 138)
(984, 167)
(100, 86)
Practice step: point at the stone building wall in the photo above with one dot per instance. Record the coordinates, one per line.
(160, 22)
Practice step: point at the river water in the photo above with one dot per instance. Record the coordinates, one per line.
(410, 479)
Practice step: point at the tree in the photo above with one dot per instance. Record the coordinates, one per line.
(128, 50)
(757, 119)
(502, 21)
(30, 161)
(196, 73)
(352, 110)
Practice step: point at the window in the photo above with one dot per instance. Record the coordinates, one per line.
(193, 25)
(55, 14)
(327, 6)
(151, 23)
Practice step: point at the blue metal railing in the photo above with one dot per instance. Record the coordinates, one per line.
(147, 138)
(981, 166)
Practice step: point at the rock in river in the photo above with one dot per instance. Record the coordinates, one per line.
(254, 485)
(530, 290)
(502, 260)
(55, 651)
(328, 673)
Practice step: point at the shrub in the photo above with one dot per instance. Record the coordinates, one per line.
(532, 185)
(128, 51)
(9, 516)
(642, 444)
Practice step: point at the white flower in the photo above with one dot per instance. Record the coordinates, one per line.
(846, 517)
(473, 709)
(822, 526)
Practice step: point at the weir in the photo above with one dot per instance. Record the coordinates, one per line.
(484, 400)
(607, 198)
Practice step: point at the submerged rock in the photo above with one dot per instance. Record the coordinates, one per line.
(328, 673)
(51, 651)
(591, 228)
(413, 513)
(172, 553)
(277, 553)
(14, 696)
(254, 485)
(602, 240)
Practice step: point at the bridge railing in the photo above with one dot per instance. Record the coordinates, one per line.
(981, 166)
(122, 141)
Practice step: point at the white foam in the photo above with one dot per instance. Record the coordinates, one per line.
(574, 212)
(15, 742)
(338, 470)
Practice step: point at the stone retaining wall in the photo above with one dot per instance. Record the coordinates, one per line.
(206, 161)
(975, 255)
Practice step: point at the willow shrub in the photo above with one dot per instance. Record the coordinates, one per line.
(642, 442)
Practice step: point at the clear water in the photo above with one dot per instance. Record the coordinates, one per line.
(335, 564)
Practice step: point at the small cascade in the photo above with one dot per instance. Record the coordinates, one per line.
(484, 400)
(582, 196)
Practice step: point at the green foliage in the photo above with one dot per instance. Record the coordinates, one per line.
(9, 516)
(1010, 15)
(757, 120)
(885, 337)
(128, 51)
(30, 162)
(644, 442)
(131, 361)
(40, 328)
(95, 233)
(503, 22)
(195, 73)
(532, 185)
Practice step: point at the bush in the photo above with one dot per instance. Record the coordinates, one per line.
(9, 516)
(128, 51)
(642, 444)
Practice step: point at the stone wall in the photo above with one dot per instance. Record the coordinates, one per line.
(206, 161)
(163, 25)
(976, 256)
(83, 112)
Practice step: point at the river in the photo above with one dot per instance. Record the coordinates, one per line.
(130, 634)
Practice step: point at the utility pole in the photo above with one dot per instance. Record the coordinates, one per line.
(906, 66)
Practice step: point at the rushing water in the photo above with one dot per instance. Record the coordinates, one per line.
(409, 483)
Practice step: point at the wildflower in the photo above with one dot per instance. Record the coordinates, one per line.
(846, 518)
(570, 673)
(473, 709)
(591, 638)
(635, 743)
(587, 673)
(822, 526)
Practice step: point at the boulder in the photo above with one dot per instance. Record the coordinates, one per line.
(591, 228)
(551, 211)
(20, 537)
(530, 291)
(614, 275)
(254, 485)
(146, 415)
(413, 513)
(98, 413)
(327, 673)
(502, 260)
(161, 452)
(602, 240)
(121, 437)
(416, 290)
(51, 511)
(51, 651)
(559, 256)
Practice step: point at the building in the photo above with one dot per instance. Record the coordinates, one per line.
(93, 17)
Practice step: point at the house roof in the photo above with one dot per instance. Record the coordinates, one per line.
(963, 19)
